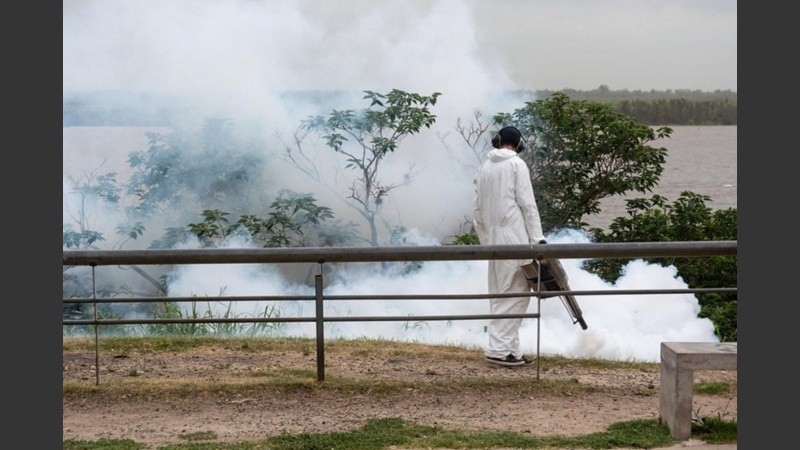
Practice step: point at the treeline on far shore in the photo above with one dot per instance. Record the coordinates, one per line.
(670, 107)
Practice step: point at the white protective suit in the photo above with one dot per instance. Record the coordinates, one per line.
(506, 213)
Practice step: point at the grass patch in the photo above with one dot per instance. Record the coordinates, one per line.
(103, 444)
(291, 381)
(125, 345)
(386, 433)
(712, 388)
(715, 430)
(199, 436)
(563, 361)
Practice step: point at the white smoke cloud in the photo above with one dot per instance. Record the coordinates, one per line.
(623, 327)
(620, 327)
(234, 58)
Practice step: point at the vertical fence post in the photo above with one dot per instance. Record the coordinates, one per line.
(538, 310)
(320, 327)
(96, 334)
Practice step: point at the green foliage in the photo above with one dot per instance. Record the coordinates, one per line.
(668, 107)
(210, 168)
(158, 172)
(362, 139)
(292, 217)
(399, 238)
(213, 227)
(680, 111)
(172, 237)
(103, 187)
(291, 214)
(80, 239)
(686, 219)
(581, 152)
(338, 233)
(91, 190)
(465, 239)
(132, 231)
(403, 112)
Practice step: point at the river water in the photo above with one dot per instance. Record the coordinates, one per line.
(701, 159)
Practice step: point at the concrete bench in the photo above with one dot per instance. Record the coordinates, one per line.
(679, 360)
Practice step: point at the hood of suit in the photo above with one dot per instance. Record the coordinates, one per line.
(501, 154)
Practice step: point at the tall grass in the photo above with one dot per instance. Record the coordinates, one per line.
(191, 311)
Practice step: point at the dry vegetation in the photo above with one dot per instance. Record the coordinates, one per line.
(243, 389)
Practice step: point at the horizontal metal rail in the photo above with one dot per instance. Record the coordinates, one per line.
(322, 255)
(380, 254)
(543, 294)
(302, 319)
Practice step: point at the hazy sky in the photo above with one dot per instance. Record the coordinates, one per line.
(422, 45)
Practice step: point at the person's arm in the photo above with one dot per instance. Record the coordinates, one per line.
(527, 203)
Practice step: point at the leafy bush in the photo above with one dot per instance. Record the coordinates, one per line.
(686, 219)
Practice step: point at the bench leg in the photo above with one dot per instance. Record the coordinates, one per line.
(675, 400)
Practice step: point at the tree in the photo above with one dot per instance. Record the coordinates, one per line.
(292, 220)
(686, 219)
(473, 135)
(581, 152)
(210, 169)
(94, 191)
(362, 139)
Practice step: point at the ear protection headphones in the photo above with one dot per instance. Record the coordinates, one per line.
(512, 133)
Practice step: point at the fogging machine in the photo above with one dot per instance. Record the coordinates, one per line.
(548, 275)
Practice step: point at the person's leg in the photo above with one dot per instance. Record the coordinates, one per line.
(503, 334)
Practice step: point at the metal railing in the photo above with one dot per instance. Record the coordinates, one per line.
(323, 255)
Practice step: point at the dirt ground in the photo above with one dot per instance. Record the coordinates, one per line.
(167, 397)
